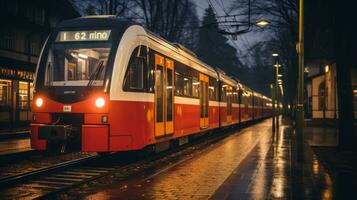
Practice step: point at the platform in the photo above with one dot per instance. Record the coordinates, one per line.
(13, 141)
(250, 164)
(14, 146)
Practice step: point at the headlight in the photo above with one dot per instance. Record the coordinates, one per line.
(39, 102)
(99, 102)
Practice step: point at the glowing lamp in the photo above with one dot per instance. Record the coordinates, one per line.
(327, 68)
(39, 102)
(262, 23)
(100, 102)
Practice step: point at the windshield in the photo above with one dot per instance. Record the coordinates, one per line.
(77, 63)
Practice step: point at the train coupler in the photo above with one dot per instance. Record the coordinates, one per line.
(55, 132)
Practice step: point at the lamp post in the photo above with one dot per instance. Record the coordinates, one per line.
(276, 94)
(300, 97)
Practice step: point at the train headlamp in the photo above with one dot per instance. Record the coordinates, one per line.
(100, 102)
(39, 102)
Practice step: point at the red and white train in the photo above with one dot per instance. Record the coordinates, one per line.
(115, 86)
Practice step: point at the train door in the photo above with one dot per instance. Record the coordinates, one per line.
(203, 101)
(229, 105)
(163, 96)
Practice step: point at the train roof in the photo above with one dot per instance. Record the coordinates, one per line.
(184, 53)
(114, 21)
(228, 79)
(97, 21)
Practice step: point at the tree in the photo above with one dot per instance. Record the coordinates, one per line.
(174, 20)
(101, 7)
(213, 48)
(282, 15)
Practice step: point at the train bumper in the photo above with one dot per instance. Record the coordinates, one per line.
(54, 132)
(35, 142)
(95, 138)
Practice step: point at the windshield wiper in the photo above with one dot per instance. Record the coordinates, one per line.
(95, 75)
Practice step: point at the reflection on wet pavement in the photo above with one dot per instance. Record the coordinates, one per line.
(198, 177)
(322, 136)
(14, 145)
(265, 173)
(249, 165)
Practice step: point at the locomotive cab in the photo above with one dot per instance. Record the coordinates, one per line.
(72, 82)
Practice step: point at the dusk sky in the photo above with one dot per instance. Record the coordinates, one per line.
(243, 41)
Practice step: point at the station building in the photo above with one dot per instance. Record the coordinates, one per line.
(321, 90)
(25, 26)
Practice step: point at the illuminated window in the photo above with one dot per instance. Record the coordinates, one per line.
(23, 102)
(77, 64)
(5, 92)
(224, 93)
(322, 96)
(213, 89)
(187, 86)
(179, 82)
(195, 87)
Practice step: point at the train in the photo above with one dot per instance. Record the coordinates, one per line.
(111, 85)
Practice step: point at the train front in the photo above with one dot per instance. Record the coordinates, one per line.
(72, 79)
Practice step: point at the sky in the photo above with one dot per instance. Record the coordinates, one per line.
(243, 41)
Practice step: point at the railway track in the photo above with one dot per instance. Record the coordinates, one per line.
(47, 180)
(50, 181)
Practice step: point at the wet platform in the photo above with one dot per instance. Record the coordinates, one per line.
(251, 164)
(14, 141)
(22, 132)
(13, 146)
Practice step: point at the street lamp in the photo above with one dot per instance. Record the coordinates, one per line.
(262, 23)
(275, 95)
(231, 20)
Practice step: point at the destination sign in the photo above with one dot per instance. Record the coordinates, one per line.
(92, 35)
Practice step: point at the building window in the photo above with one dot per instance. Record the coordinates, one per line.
(40, 16)
(29, 13)
(7, 40)
(322, 96)
(5, 92)
(24, 99)
(31, 47)
(9, 7)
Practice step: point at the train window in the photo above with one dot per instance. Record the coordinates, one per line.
(134, 77)
(213, 89)
(187, 86)
(178, 84)
(240, 92)
(77, 64)
(223, 92)
(235, 95)
(169, 95)
(229, 101)
(159, 79)
(195, 87)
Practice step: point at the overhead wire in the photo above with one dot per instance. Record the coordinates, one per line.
(225, 26)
